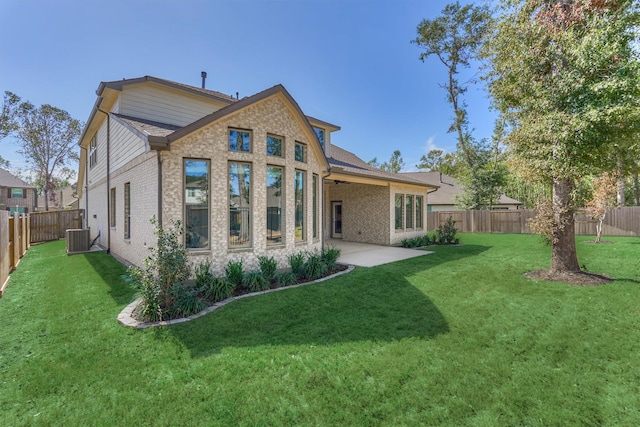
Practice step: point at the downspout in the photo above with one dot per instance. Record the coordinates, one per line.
(108, 179)
(159, 156)
(324, 208)
(86, 188)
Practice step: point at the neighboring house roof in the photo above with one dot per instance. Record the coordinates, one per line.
(348, 163)
(449, 188)
(7, 179)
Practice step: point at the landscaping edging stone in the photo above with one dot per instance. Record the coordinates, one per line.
(125, 318)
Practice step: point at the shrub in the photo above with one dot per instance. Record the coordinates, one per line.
(314, 267)
(234, 273)
(185, 301)
(165, 268)
(296, 262)
(255, 281)
(417, 242)
(285, 278)
(268, 267)
(204, 277)
(446, 233)
(218, 289)
(330, 257)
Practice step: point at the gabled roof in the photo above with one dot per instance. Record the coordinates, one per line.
(449, 188)
(346, 162)
(7, 179)
(118, 84)
(163, 142)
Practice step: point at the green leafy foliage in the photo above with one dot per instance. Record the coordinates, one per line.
(268, 267)
(185, 301)
(234, 273)
(330, 255)
(565, 78)
(285, 278)
(296, 262)
(255, 281)
(417, 242)
(164, 269)
(314, 266)
(446, 233)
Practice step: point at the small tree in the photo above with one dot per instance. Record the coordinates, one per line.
(165, 269)
(603, 198)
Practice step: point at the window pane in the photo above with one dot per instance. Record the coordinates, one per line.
(196, 200)
(409, 212)
(398, 215)
(239, 204)
(299, 203)
(17, 193)
(239, 140)
(419, 212)
(320, 135)
(274, 146)
(301, 155)
(274, 205)
(127, 210)
(315, 206)
(112, 213)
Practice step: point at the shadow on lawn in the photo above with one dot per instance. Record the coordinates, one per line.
(373, 304)
(111, 272)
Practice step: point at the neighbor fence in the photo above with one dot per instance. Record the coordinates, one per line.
(17, 232)
(46, 226)
(618, 221)
(14, 242)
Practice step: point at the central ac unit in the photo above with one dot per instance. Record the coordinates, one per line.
(77, 241)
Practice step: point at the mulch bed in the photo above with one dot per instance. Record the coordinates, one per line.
(574, 278)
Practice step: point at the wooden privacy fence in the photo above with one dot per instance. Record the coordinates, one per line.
(52, 225)
(618, 221)
(14, 242)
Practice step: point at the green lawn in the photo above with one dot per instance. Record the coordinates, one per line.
(458, 337)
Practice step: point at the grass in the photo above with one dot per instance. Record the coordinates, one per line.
(458, 337)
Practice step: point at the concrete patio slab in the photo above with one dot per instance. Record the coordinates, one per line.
(368, 255)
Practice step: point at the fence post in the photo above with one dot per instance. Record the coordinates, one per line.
(4, 250)
(23, 240)
(16, 239)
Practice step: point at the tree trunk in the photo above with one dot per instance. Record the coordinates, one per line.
(563, 255)
(636, 188)
(620, 199)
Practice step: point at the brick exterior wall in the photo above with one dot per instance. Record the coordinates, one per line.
(269, 116)
(398, 235)
(28, 202)
(365, 212)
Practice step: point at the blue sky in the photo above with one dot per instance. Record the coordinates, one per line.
(347, 62)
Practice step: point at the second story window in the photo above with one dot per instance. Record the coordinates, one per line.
(301, 152)
(320, 134)
(239, 140)
(93, 152)
(274, 146)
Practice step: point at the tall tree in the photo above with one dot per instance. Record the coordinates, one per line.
(394, 165)
(565, 78)
(47, 137)
(7, 122)
(455, 38)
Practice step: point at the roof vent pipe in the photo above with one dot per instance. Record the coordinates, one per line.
(203, 74)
